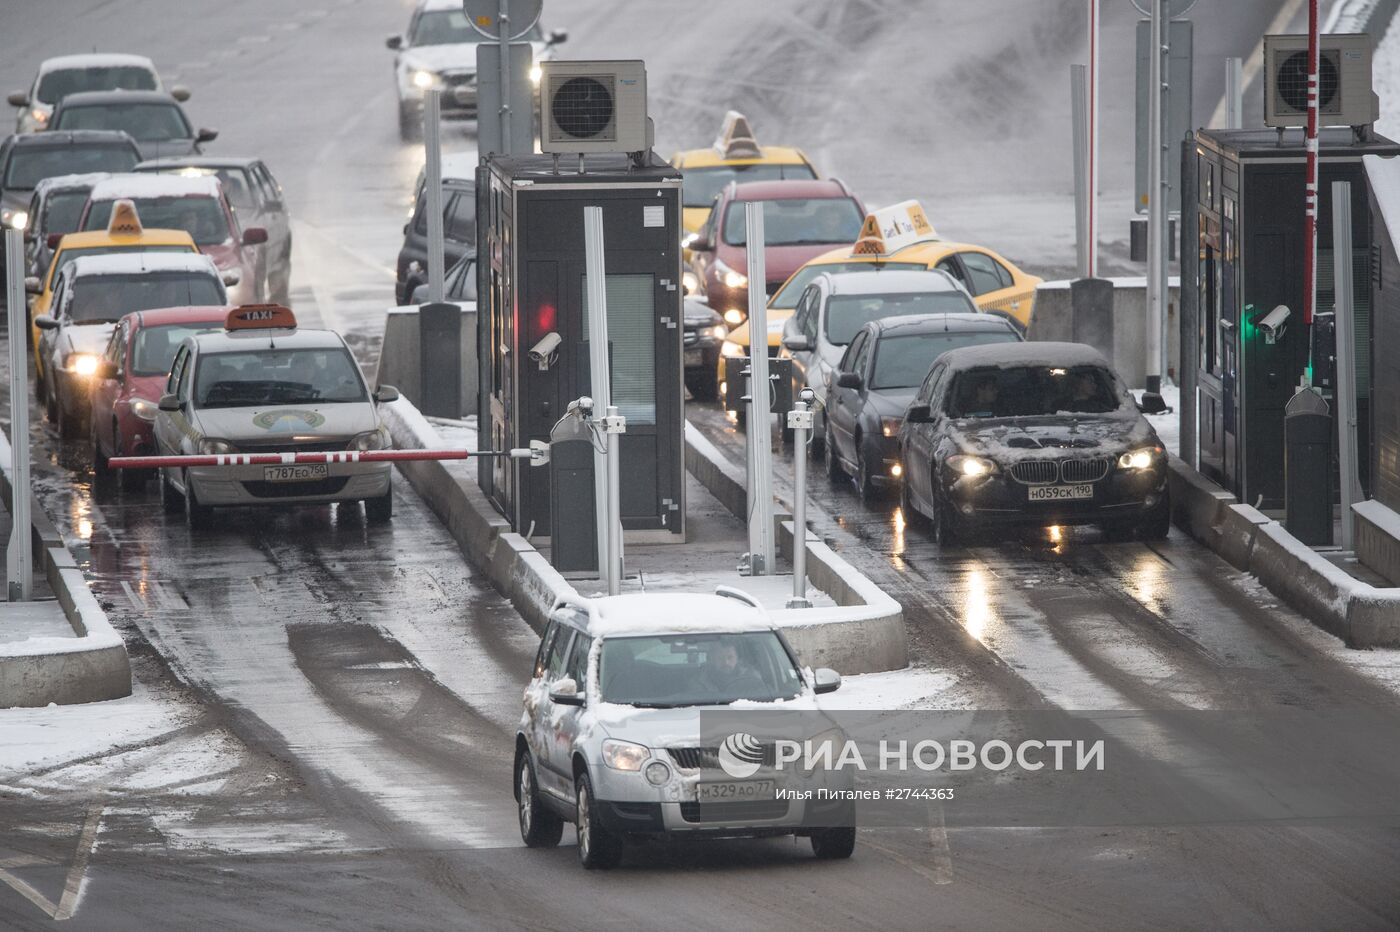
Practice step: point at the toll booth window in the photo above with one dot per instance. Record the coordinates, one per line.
(632, 332)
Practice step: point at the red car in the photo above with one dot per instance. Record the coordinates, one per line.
(801, 220)
(131, 378)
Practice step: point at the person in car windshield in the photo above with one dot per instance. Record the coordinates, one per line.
(677, 670)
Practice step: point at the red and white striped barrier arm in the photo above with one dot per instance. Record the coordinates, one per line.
(292, 459)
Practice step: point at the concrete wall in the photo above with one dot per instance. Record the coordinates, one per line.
(1124, 346)
(399, 356)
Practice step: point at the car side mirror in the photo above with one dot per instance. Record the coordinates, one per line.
(231, 277)
(206, 135)
(797, 343)
(52, 240)
(919, 414)
(826, 681)
(556, 36)
(19, 99)
(168, 403)
(565, 692)
(254, 236)
(849, 380)
(701, 244)
(46, 322)
(106, 369)
(32, 285)
(385, 394)
(1152, 403)
(394, 42)
(180, 93)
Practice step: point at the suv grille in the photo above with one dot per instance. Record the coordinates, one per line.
(1090, 470)
(745, 811)
(708, 758)
(1035, 472)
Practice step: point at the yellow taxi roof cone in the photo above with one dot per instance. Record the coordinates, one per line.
(890, 229)
(125, 221)
(736, 138)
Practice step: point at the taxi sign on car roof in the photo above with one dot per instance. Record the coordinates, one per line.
(125, 221)
(736, 139)
(890, 229)
(260, 317)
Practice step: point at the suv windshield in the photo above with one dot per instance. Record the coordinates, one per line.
(450, 27)
(846, 314)
(101, 299)
(155, 346)
(277, 376)
(203, 218)
(32, 164)
(57, 85)
(798, 221)
(1029, 391)
(791, 292)
(902, 362)
(696, 669)
(700, 185)
(146, 122)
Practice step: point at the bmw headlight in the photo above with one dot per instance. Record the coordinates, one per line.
(211, 447)
(84, 364)
(14, 218)
(734, 316)
(370, 440)
(1144, 458)
(424, 79)
(970, 466)
(624, 755)
(145, 410)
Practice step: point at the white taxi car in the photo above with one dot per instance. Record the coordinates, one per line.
(611, 737)
(264, 386)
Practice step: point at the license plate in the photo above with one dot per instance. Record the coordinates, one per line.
(301, 473)
(694, 357)
(1059, 493)
(746, 790)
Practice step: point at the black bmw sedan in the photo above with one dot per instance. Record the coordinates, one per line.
(1030, 433)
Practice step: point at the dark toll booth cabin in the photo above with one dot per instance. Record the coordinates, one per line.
(531, 267)
(1242, 204)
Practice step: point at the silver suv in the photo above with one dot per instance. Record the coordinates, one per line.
(610, 738)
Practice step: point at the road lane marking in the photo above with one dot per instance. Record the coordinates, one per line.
(67, 904)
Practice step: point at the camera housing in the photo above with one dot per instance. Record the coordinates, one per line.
(1274, 324)
(544, 352)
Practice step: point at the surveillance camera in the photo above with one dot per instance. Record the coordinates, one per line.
(1272, 324)
(807, 395)
(543, 351)
(582, 406)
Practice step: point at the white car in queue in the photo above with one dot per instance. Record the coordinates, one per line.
(611, 734)
(262, 385)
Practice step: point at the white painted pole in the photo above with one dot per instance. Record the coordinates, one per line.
(595, 284)
(760, 432)
(432, 149)
(504, 25)
(1092, 206)
(800, 420)
(1346, 356)
(1156, 202)
(20, 555)
(1079, 127)
(1234, 93)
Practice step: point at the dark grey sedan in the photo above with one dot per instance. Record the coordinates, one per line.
(154, 119)
(883, 367)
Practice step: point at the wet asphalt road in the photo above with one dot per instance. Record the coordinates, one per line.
(353, 689)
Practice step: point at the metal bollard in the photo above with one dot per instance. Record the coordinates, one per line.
(799, 421)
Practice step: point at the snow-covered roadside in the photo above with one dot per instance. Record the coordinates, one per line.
(1385, 78)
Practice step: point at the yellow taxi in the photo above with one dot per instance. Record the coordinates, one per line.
(735, 156)
(124, 233)
(901, 237)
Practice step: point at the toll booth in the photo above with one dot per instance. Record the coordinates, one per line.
(533, 333)
(1242, 204)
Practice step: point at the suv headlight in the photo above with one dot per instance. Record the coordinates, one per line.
(423, 79)
(889, 426)
(370, 440)
(624, 755)
(211, 447)
(1144, 458)
(145, 410)
(731, 278)
(84, 364)
(14, 218)
(965, 464)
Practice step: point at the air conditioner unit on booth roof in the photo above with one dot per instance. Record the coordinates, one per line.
(1344, 97)
(593, 106)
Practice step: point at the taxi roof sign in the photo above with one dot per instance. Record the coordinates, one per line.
(736, 139)
(890, 229)
(260, 317)
(125, 220)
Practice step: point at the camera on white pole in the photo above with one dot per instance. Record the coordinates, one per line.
(799, 421)
(760, 434)
(19, 557)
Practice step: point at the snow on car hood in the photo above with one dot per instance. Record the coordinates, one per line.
(669, 728)
(1066, 435)
(302, 423)
(85, 338)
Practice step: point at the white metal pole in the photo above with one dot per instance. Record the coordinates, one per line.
(432, 148)
(1234, 93)
(1156, 202)
(20, 555)
(760, 432)
(800, 420)
(1346, 351)
(504, 16)
(1079, 127)
(1092, 206)
(595, 284)
(614, 426)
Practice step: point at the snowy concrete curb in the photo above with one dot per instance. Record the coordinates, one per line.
(1368, 16)
(90, 667)
(864, 632)
(1357, 612)
(517, 570)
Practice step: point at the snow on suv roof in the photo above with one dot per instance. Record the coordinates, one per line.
(95, 60)
(140, 263)
(645, 613)
(1012, 355)
(148, 185)
(890, 281)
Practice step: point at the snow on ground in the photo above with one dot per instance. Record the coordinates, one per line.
(912, 688)
(1385, 77)
(1168, 426)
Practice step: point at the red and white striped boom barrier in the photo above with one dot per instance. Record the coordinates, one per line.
(296, 459)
